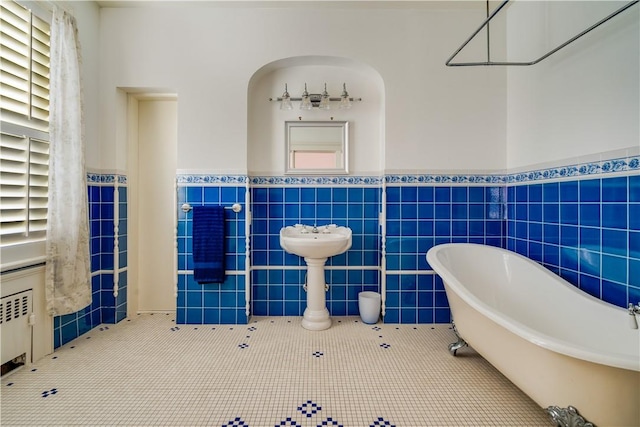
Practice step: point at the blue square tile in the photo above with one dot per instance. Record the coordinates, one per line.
(408, 211)
(339, 195)
(522, 194)
(614, 242)
(260, 195)
(590, 214)
(276, 195)
(356, 195)
(324, 195)
(211, 316)
(614, 293)
(493, 228)
(292, 195)
(551, 255)
(443, 228)
(569, 213)
(535, 193)
(459, 194)
(476, 211)
(106, 194)
(614, 215)
(426, 210)
(195, 316)
(614, 268)
(194, 195)
(590, 238)
(569, 258)
(551, 233)
(476, 194)
(535, 251)
(569, 191)
(371, 195)
(589, 263)
(590, 190)
(535, 212)
(440, 299)
(425, 315)
(569, 235)
(442, 315)
(459, 211)
(551, 212)
(408, 315)
(442, 194)
(426, 194)
(228, 316)
(276, 308)
(551, 192)
(590, 285)
(443, 211)
(614, 189)
(211, 195)
(408, 194)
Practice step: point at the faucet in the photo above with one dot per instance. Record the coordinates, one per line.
(315, 229)
(633, 310)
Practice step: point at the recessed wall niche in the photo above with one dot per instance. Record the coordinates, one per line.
(266, 121)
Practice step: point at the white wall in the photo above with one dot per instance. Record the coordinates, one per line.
(583, 100)
(435, 117)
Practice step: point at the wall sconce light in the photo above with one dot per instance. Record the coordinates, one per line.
(320, 100)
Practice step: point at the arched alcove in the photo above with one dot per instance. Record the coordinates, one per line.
(265, 120)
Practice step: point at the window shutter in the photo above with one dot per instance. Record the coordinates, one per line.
(24, 104)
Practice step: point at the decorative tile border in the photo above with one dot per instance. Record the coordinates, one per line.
(109, 178)
(445, 179)
(578, 170)
(211, 179)
(625, 164)
(316, 180)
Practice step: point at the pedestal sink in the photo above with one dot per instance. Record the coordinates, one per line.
(315, 245)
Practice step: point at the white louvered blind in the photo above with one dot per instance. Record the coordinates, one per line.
(24, 143)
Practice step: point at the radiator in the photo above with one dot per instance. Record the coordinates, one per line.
(15, 326)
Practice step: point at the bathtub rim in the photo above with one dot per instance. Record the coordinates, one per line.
(549, 342)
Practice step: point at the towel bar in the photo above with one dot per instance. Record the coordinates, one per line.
(236, 207)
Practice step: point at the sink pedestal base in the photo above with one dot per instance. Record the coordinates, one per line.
(316, 316)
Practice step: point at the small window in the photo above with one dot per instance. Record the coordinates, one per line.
(24, 142)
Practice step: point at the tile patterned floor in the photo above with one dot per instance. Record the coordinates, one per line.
(148, 371)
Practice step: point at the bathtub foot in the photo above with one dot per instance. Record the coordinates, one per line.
(567, 417)
(454, 347)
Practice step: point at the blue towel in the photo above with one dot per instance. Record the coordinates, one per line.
(208, 244)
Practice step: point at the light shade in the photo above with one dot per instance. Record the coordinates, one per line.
(324, 99)
(286, 104)
(345, 101)
(306, 100)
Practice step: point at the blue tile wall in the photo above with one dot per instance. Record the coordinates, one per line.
(277, 277)
(421, 216)
(586, 230)
(212, 303)
(104, 308)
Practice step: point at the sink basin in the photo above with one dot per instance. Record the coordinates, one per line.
(315, 242)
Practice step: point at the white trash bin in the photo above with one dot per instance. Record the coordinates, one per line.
(369, 306)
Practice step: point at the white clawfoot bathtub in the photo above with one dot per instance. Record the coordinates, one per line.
(559, 345)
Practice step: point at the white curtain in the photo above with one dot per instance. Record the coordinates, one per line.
(68, 271)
